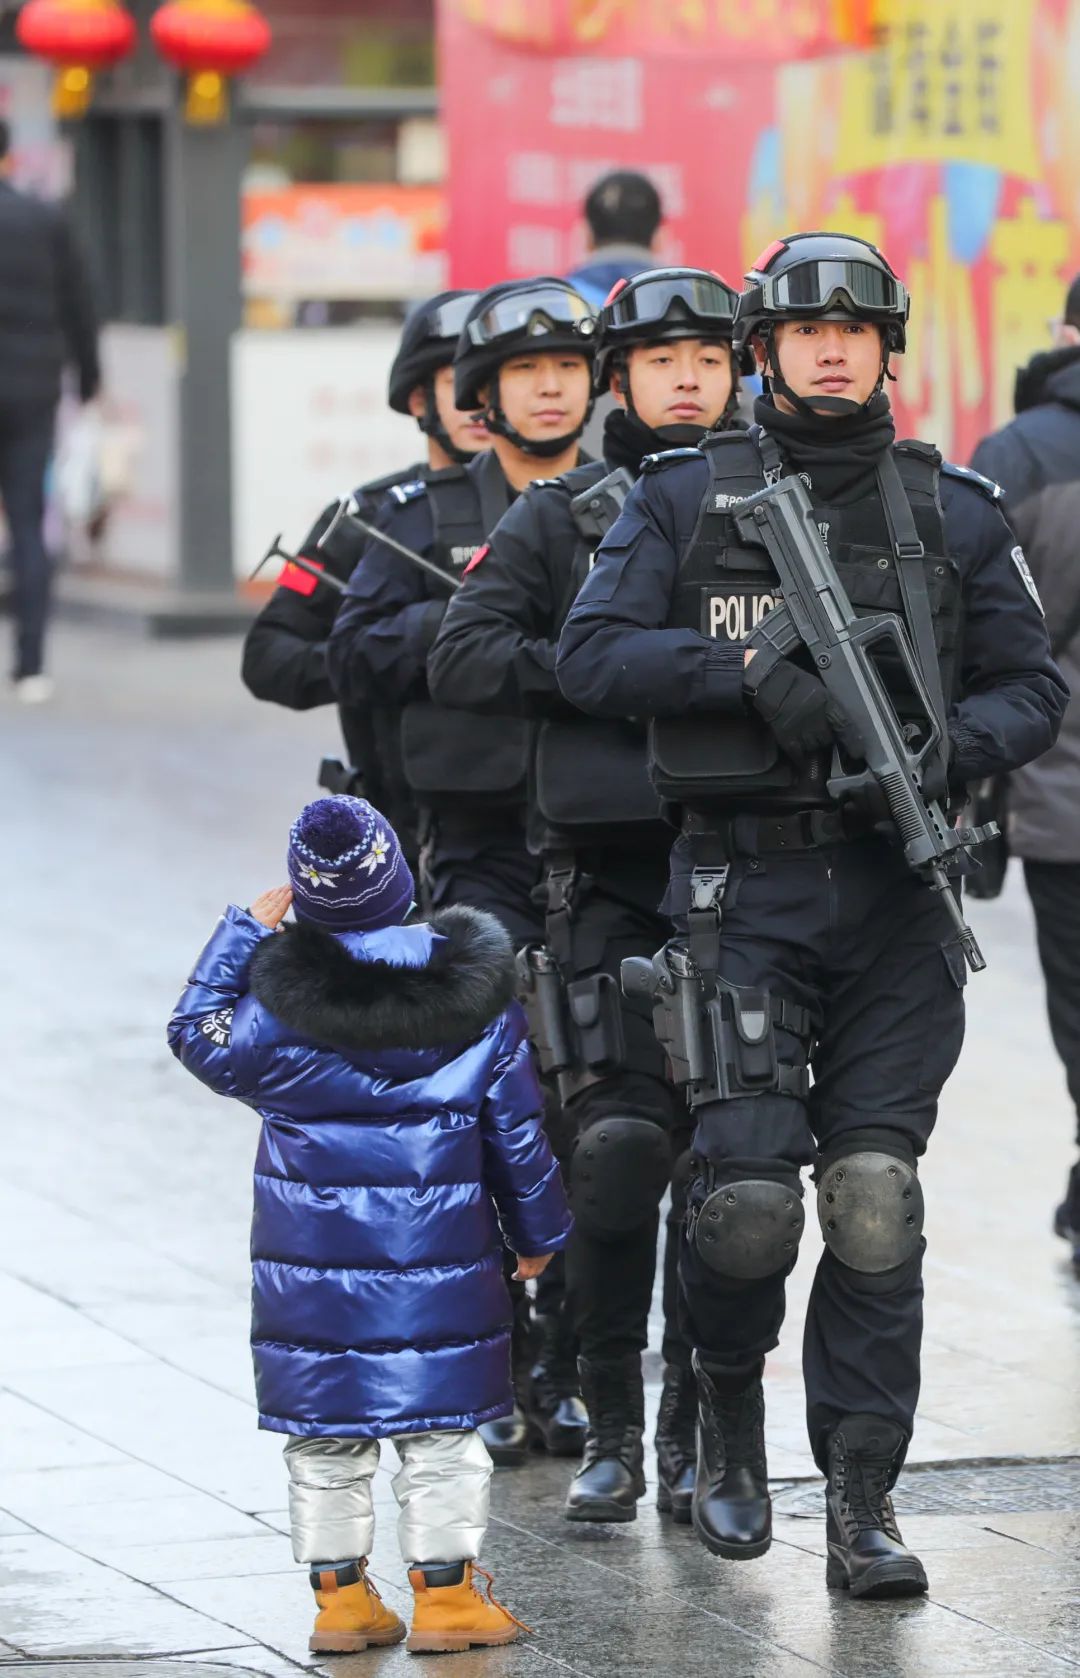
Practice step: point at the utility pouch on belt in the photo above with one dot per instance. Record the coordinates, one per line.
(720, 1045)
(596, 1018)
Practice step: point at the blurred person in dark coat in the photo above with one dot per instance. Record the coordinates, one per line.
(47, 321)
(1036, 460)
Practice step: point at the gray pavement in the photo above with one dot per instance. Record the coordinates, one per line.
(142, 1514)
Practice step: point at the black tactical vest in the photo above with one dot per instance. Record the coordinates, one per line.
(458, 758)
(589, 782)
(731, 763)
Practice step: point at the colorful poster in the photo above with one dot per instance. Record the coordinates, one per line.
(338, 242)
(949, 133)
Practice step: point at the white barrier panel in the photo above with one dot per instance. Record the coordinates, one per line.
(309, 422)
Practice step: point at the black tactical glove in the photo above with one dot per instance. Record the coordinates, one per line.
(797, 707)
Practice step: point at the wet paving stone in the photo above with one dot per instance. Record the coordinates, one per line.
(142, 1531)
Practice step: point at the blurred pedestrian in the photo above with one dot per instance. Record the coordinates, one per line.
(623, 213)
(1036, 460)
(47, 320)
(401, 1128)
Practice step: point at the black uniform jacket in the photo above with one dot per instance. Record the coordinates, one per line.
(284, 658)
(617, 658)
(388, 620)
(495, 650)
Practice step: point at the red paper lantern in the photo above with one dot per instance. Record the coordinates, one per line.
(210, 40)
(80, 37)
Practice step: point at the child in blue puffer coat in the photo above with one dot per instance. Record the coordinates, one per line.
(401, 1131)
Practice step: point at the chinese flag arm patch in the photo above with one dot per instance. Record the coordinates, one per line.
(477, 559)
(299, 580)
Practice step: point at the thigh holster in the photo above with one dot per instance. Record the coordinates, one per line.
(575, 1023)
(720, 1038)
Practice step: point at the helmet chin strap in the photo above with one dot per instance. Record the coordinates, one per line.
(432, 426)
(817, 407)
(547, 448)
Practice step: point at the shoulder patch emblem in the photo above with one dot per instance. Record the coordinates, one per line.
(1020, 561)
(989, 488)
(408, 492)
(478, 558)
(218, 1027)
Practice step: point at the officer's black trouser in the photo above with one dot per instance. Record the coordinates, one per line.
(1054, 889)
(848, 932)
(610, 1275)
(482, 860)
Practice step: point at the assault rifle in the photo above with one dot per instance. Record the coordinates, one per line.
(816, 613)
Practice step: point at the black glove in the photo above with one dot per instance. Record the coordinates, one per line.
(797, 707)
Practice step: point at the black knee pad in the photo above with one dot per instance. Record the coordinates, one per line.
(620, 1169)
(870, 1203)
(750, 1227)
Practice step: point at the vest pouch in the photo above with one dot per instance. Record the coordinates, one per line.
(592, 773)
(723, 759)
(459, 755)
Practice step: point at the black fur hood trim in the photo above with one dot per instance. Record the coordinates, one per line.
(309, 981)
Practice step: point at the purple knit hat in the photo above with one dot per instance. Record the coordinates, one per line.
(346, 868)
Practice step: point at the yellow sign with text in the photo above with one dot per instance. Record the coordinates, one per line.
(949, 83)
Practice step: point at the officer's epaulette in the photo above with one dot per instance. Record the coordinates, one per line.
(986, 486)
(670, 457)
(408, 492)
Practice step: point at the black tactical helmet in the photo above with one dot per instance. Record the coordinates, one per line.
(428, 341)
(823, 276)
(664, 304)
(545, 314)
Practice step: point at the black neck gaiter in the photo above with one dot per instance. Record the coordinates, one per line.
(627, 439)
(839, 456)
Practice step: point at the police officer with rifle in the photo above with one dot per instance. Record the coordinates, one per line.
(816, 771)
(523, 359)
(284, 657)
(664, 352)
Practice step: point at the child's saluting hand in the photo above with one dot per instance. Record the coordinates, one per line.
(271, 908)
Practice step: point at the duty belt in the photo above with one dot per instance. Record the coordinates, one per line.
(801, 830)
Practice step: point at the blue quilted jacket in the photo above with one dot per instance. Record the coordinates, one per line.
(401, 1128)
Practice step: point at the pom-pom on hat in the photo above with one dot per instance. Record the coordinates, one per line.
(346, 868)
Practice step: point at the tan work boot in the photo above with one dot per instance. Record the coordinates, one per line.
(451, 1612)
(351, 1614)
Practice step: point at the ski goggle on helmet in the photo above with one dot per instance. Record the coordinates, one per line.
(823, 276)
(666, 304)
(535, 312)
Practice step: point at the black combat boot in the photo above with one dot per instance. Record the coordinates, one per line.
(612, 1477)
(507, 1437)
(866, 1553)
(676, 1444)
(1067, 1216)
(557, 1417)
(732, 1511)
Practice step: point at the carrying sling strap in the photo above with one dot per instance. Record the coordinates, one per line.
(910, 553)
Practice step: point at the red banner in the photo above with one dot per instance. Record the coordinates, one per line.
(954, 142)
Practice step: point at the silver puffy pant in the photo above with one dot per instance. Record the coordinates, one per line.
(441, 1489)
